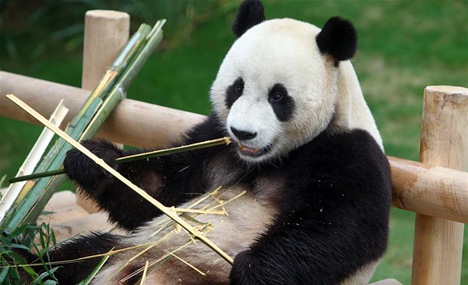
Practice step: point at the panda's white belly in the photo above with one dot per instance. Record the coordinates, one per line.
(233, 232)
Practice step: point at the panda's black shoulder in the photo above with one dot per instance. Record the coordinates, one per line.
(353, 145)
(346, 156)
(210, 128)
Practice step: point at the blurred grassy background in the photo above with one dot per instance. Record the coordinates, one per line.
(404, 46)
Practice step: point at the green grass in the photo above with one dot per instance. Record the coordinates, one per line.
(404, 46)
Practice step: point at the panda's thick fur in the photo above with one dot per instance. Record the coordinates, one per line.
(305, 149)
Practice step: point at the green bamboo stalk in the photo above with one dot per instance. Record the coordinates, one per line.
(150, 154)
(85, 124)
(133, 65)
(168, 151)
(118, 90)
(95, 100)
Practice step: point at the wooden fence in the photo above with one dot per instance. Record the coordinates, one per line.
(435, 188)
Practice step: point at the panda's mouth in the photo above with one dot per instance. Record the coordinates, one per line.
(253, 151)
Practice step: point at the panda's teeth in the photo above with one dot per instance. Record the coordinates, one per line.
(247, 149)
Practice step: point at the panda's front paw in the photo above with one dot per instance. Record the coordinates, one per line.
(86, 172)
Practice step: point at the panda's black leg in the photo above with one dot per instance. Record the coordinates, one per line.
(65, 256)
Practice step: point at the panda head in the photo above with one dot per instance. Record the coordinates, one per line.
(279, 85)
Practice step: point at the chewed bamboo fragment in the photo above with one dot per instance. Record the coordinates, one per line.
(153, 263)
(143, 278)
(187, 263)
(194, 211)
(202, 199)
(167, 211)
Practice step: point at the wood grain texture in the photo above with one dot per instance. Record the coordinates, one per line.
(430, 190)
(438, 242)
(106, 33)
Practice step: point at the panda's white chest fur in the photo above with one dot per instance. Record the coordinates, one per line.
(248, 211)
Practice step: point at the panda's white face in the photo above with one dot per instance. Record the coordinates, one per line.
(275, 91)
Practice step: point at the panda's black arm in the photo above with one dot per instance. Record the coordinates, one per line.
(334, 219)
(171, 179)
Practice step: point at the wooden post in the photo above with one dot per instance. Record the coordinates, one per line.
(438, 243)
(106, 33)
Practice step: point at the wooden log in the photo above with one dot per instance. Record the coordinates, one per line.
(106, 33)
(416, 186)
(430, 190)
(42, 95)
(438, 242)
(161, 125)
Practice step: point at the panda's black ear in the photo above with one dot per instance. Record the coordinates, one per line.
(250, 13)
(338, 39)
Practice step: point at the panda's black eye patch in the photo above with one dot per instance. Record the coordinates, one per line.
(234, 91)
(282, 104)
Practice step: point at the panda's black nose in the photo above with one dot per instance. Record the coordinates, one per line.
(243, 135)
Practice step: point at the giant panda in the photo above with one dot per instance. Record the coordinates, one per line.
(306, 178)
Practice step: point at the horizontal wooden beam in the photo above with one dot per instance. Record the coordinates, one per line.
(132, 122)
(430, 190)
(433, 191)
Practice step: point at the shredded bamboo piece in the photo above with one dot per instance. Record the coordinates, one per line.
(201, 200)
(187, 263)
(143, 278)
(207, 212)
(162, 258)
(170, 213)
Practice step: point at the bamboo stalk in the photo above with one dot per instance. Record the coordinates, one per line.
(132, 61)
(166, 210)
(162, 152)
(156, 153)
(84, 125)
(13, 193)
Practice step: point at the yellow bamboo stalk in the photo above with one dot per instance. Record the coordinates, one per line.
(166, 210)
(143, 278)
